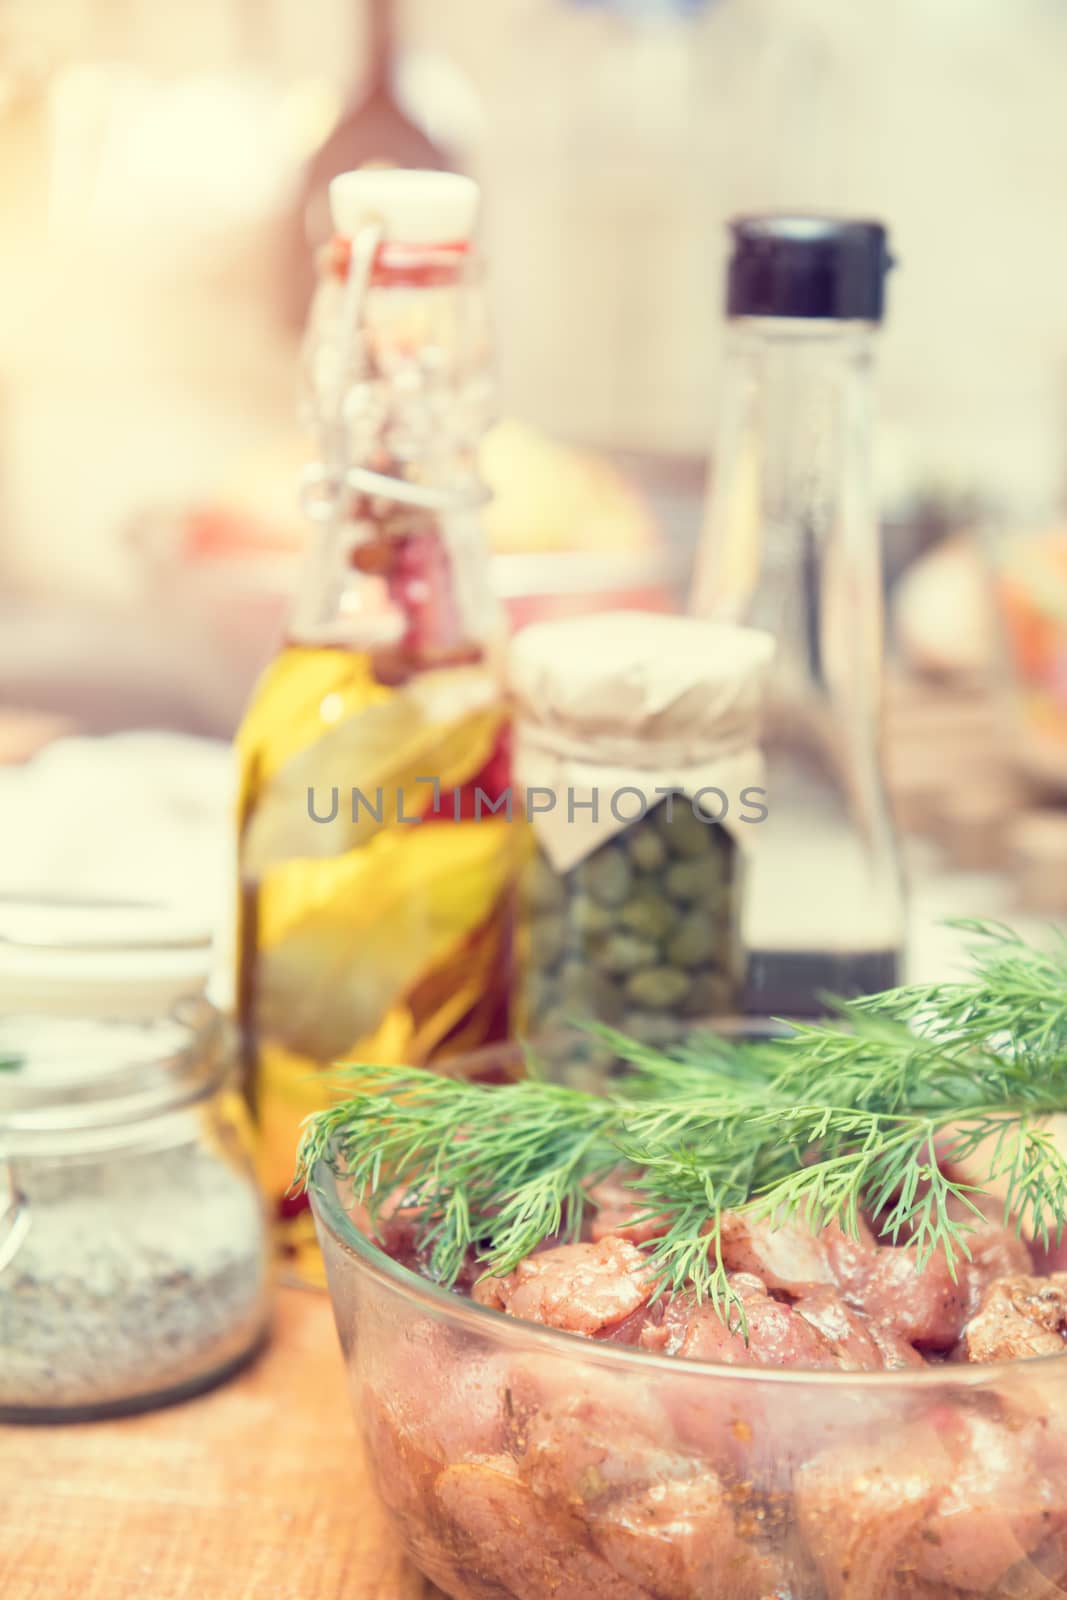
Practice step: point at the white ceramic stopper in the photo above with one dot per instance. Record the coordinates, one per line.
(412, 207)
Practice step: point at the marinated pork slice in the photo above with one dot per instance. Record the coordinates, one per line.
(583, 1449)
(785, 1256)
(678, 1540)
(404, 1469)
(850, 1251)
(896, 1351)
(951, 1502)
(596, 1412)
(690, 1328)
(924, 1306)
(860, 1507)
(1017, 1317)
(395, 1227)
(429, 1405)
(621, 1212)
(432, 1554)
(503, 1532)
(732, 1425)
(820, 1330)
(858, 1344)
(998, 1503)
(996, 1250)
(658, 1515)
(583, 1288)
(777, 1335)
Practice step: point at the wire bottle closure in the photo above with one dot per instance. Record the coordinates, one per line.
(324, 484)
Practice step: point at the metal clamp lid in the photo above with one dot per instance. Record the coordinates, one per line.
(14, 1215)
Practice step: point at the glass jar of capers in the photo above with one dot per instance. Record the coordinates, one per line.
(636, 749)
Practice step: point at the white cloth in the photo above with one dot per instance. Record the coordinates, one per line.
(145, 816)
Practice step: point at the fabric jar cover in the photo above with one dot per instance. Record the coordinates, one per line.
(626, 701)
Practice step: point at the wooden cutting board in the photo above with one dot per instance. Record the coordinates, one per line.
(257, 1491)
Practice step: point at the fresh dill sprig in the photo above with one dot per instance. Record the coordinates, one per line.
(502, 1169)
(881, 1111)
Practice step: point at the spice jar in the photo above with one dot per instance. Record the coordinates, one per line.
(636, 751)
(134, 1262)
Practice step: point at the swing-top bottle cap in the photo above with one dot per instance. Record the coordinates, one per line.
(794, 265)
(411, 207)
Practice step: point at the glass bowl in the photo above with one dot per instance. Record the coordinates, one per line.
(518, 1462)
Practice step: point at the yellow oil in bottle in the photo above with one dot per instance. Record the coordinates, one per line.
(375, 884)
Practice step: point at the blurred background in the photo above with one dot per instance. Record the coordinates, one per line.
(163, 172)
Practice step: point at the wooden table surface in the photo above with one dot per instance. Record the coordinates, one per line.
(256, 1491)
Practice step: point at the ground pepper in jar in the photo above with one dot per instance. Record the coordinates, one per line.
(637, 757)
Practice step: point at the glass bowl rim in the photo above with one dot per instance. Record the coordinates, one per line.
(488, 1322)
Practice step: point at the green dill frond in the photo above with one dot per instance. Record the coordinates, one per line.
(875, 1112)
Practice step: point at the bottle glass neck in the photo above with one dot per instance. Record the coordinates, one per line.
(398, 395)
(792, 463)
(381, 44)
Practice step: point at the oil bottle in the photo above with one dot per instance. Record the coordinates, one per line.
(376, 859)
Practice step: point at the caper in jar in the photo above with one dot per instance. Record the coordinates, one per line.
(542, 889)
(624, 952)
(606, 876)
(697, 941)
(587, 917)
(654, 1028)
(648, 914)
(658, 988)
(696, 881)
(647, 849)
(586, 993)
(637, 935)
(685, 834)
(711, 994)
(548, 938)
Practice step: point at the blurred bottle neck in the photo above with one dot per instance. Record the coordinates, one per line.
(792, 478)
(409, 589)
(381, 45)
(398, 564)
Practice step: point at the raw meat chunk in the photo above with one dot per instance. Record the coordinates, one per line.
(617, 1204)
(925, 1306)
(581, 1450)
(784, 1256)
(403, 1468)
(395, 1228)
(896, 1351)
(777, 1335)
(860, 1506)
(505, 1533)
(997, 1504)
(1020, 1316)
(953, 1501)
(849, 1334)
(601, 1406)
(582, 1288)
(996, 1251)
(678, 1540)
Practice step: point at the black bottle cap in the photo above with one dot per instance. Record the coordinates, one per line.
(786, 265)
